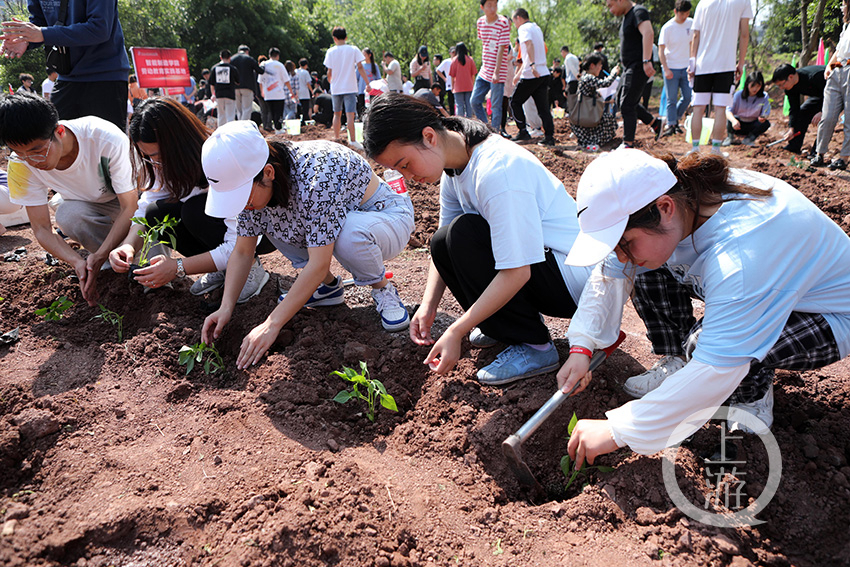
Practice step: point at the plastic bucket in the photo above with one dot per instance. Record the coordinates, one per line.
(557, 112)
(358, 131)
(705, 135)
(293, 127)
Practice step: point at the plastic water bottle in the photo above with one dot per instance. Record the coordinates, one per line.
(396, 182)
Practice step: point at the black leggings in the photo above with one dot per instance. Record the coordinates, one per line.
(463, 254)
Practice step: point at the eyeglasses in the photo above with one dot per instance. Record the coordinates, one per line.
(39, 157)
(150, 160)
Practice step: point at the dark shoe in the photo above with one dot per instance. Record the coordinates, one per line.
(749, 141)
(670, 130)
(679, 129)
(656, 127)
(787, 149)
(817, 161)
(505, 135)
(547, 141)
(521, 136)
(837, 164)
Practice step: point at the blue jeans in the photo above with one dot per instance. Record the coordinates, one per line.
(375, 231)
(675, 110)
(464, 106)
(479, 96)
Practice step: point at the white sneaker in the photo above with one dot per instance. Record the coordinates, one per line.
(355, 144)
(640, 385)
(207, 283)
(479, 340)
(257, 278)
(394, 316)
(760, 416)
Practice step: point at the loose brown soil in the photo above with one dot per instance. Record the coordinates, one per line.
(111, 455)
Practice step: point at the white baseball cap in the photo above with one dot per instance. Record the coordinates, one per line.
(612, 187)
(232, 157)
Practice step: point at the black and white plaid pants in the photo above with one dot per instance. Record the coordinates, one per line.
(665, 306)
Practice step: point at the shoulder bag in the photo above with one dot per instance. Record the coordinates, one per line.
(58, 57)
(585, 111)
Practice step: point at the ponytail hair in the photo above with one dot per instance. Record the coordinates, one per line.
(462, 52)
(396, 117)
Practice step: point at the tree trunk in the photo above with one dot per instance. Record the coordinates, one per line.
(810, 35)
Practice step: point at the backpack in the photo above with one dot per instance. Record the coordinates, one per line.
(585, 111)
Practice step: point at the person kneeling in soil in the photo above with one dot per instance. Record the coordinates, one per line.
(749, 111)
(167, 140)
(739, 240)
(506, 226)
(314, 200)
(86, 161)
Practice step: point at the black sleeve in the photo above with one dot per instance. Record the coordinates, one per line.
(641, 15)
(235, 76)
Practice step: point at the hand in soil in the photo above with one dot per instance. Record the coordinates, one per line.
(256, 344)
(575, 369)
(590, 438)
(121, 257)
(444, 354)
(214, 324)
(420, 327)
(158, 273)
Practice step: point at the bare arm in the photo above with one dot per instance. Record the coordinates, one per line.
(743, 44)
(648, 36)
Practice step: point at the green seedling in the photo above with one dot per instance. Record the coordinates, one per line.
(566, 462)
(113, 319)
(801, 164)
(189, 355)
(55, 310)
(154, 234)
(375, 391)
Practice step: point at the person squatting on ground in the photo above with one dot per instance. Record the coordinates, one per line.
(739, 240)
(836, 99)
(636, 37)
(506, 226)
(343, 61)
(166, 140)
(721, 27)
(807, 81)
(532, 80)
(674, 46)
(86, 161)
(314, 201)
(494, 32)
(747, 116)
(602, 133)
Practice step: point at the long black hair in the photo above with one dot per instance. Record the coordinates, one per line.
(371, 57)
(754, 78)
(462, 52)
(280, 158)
(396, 117)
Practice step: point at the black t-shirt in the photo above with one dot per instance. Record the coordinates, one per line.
(631, 40)
(224, 77)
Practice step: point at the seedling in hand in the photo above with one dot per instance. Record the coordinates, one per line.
(360, 382)
(55, 310)
(189, 355)
(112, 318)
(154, 234)
(566, 462)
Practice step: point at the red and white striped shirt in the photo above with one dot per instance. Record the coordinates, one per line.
(494, 36)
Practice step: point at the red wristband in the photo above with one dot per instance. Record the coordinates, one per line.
(581, 350)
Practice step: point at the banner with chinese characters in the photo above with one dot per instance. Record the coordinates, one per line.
(161, 67)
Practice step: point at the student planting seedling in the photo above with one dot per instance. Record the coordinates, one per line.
(153, 235)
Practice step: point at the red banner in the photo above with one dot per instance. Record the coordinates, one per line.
(161, 67)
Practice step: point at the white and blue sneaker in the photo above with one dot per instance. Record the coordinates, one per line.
(518, 362)
(333, 294)
(394, 316)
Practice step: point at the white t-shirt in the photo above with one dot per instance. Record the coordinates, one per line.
(443, 68)
(526, 206)
(571, 67)
(842, 50)
(47, 87)
(718, 22)
(407, 88)
(676, 39)
(342, 60)
(394, 78)
(101, 170)
(304, 81)
(529, 31)
(274, 80)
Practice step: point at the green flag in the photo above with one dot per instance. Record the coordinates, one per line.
(785, 107)
(743, 79)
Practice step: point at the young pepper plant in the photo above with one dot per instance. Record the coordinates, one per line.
(360, 382)
(155, 233)
(56, 310)
(566, 462)
(189, 355)
(113, 318)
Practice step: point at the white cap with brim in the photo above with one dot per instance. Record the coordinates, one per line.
(232, 157)
(612, 187)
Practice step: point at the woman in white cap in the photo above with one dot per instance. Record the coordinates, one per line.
(314, 201)
(506, 225)
(772, 269)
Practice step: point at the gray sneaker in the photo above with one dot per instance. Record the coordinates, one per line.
(760, 416)
(257, 278)
(207, 283)
(518, 362)
(642, 384)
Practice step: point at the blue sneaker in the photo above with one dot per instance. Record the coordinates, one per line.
(394, 316)
(518, 362)
(333, 294)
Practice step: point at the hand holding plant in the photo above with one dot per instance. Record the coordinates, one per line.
(374, 390)
(584, 470)
(155, 233)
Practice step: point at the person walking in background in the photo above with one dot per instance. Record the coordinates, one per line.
(304, 91)
(494, 32)
(718, 29)
(442, 71)
(462, 72)
(247, 88)
(26, 84)
(265, 109)
(836, 99)
(533, 79)
(96, 84)
(393, 70)
(674, 45)
(372, 74)
(278, 86)
(224, 78)
(48, 83)
(571, 69)
(420, 69)
(636, 38)
(343, 61)
(290, 103)
(747, 115)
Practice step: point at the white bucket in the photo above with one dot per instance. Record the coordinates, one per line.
(293, 127)
(705, 135)
(358, 131)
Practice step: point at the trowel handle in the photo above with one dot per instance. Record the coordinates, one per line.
(558, 397)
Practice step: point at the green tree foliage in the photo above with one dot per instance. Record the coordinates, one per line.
(152, 23)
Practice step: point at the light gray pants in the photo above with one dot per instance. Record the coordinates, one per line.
(836, 99)
(244, 104)
(87, 223)
(226, 110)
